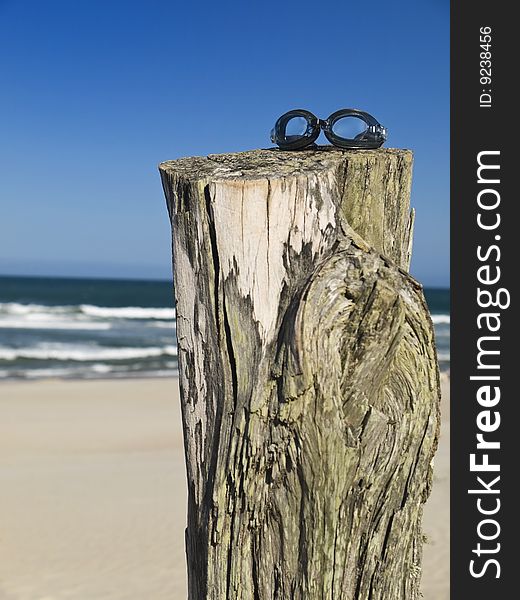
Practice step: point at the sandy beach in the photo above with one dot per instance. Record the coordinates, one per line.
(93, 494)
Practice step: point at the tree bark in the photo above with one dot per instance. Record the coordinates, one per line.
(308, 374)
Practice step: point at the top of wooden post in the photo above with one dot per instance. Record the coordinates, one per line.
(274, 163)
(370, 188)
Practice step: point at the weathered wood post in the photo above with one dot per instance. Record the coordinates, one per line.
(309, 381)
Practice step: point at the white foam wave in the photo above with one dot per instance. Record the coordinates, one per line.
(43, 321)
(84, 353)
(15, 308)
(83, 371)
(441, 319)
(127, 312)
(88, 310)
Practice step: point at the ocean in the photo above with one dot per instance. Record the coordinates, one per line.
(93, 328)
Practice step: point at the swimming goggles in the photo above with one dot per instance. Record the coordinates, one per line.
(346, 128)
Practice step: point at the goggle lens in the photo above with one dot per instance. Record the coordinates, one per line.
(296, 127)
(350, 127)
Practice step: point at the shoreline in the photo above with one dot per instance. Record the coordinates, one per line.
(123, 377)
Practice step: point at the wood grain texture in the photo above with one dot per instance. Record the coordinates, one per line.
(309, 381)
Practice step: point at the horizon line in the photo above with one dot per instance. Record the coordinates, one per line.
(134, 279)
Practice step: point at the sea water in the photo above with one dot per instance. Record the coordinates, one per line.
(91, 328)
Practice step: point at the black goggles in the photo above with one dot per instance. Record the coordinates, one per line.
(346, 128)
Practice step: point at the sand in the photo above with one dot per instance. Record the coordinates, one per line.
(93, 493)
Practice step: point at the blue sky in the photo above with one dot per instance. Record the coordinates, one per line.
(95, 94)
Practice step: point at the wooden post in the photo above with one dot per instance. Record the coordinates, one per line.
(308, 374)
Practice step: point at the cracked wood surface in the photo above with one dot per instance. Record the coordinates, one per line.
(309, 381)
